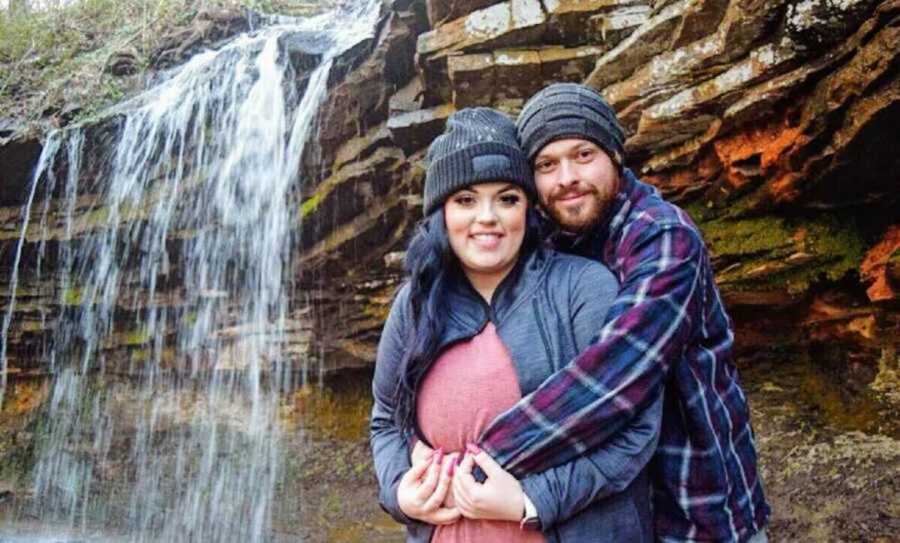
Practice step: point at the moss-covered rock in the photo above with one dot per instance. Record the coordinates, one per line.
(775, 252)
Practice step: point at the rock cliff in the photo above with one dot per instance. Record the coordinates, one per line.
(772, 123)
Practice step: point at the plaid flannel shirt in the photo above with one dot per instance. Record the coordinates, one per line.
(668, 326)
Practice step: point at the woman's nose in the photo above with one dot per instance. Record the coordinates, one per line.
(486, 213)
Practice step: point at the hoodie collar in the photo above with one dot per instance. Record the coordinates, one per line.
(470, 312)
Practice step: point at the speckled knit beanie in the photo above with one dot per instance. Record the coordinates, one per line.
(569, 110)
(478, 145)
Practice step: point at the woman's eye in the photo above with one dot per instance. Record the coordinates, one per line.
(510, 199)
(464, 200)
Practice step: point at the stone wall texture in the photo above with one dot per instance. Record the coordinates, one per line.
(773, 123)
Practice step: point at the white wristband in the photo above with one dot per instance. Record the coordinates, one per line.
(530, 509)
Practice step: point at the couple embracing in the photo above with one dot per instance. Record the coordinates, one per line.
(558, 365)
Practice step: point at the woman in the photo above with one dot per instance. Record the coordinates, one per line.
(486, 316)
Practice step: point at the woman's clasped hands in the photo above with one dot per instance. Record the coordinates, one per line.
(439, 488)
(423, 489)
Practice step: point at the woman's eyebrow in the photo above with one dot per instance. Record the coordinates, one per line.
(507, 188)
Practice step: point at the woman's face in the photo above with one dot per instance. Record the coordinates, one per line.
(486, 226)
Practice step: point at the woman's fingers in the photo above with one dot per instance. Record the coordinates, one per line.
(464, 472)
(427, 487)
(440, 491)
(420, 452)
(449, 499)
(500, 497)
(414, 473)
(464, 484)
(463, 500)
(490, 466)
(445, 515)
(408, 490)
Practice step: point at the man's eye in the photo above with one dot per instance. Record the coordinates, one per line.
(586, 154)
(543, 166)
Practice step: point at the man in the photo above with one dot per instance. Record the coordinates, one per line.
(667, 326)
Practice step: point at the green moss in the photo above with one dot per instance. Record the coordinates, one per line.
(309, 206)
(32, 326)
(72, 296)
(378, 303)
(340, 415)
(842, 241)
(384, 160)
(747, 237)
(140, 355)
(96, 217)
(778, 253)
(136, 337)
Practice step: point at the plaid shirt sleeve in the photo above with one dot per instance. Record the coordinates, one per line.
(597, 394)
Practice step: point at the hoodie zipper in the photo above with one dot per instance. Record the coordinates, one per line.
(540, 327)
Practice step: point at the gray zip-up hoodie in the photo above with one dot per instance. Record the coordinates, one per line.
(546, 312)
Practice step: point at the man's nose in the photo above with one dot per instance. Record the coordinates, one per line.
(568, 174)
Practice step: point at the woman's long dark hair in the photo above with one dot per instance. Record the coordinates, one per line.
(432, 268)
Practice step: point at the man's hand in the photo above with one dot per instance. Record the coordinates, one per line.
(422, 490)
(500, 497)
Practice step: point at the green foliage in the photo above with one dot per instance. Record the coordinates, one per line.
(54, 57)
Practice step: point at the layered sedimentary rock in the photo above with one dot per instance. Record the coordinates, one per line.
(773, 124)
(770, 124)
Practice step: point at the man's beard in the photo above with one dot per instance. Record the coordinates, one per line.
(576, 219)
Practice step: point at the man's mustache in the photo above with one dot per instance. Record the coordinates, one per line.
(577, 190)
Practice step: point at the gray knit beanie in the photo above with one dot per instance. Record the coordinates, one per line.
(478, 145)
(570, 110)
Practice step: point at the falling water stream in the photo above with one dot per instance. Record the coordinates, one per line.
(177, 240)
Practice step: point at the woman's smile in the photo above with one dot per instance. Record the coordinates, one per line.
(487, 241)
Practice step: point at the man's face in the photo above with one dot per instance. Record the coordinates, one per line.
(576, 181)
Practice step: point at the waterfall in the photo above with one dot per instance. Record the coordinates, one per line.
(175, 234)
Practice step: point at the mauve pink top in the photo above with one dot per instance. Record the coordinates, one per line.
(467, 387)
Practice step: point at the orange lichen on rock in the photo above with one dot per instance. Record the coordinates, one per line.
(877, 268)
(688, 178)
(24, 397)
(829, 319)
(755, 152)
(678, 179)
(784, 189)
